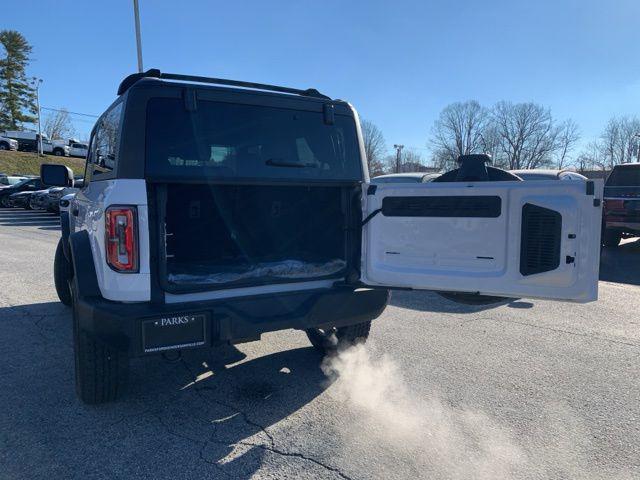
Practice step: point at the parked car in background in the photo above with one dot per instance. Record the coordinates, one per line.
(8, 180)
(412, 177)
(548, 174)
(20, 200)
(38, 200)
(621, 212)
(28, 184)
(56, 193)
(7, 143)
(78, 149)
(28, 142)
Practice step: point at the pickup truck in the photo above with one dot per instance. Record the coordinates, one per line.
(621, 213)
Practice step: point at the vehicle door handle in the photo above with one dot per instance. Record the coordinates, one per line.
(75, 212)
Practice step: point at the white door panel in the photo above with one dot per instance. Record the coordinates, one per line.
(466, 237)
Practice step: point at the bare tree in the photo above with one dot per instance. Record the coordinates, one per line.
(619, 140)
(374, 146)
(593, 156)
(458, 131)
(567, 137)
(58, 125)
(528, 135)
(412, 161)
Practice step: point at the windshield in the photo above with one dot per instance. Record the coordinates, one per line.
(18, 183)
(628, 176)
(397, 180)
(225, 140)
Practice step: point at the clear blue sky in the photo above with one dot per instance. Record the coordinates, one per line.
(398, 62)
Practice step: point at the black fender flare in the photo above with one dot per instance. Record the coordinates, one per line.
(85, 280)
(66, 230)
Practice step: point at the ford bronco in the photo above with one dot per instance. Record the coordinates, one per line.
(216, 210)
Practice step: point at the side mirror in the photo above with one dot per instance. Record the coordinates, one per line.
(56, 175)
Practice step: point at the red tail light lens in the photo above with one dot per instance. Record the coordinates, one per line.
(122, 238)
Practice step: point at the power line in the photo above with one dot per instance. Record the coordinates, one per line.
(70, 113)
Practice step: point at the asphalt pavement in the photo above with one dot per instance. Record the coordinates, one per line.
(523, 389)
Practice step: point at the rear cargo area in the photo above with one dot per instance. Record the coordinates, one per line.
(239, 235)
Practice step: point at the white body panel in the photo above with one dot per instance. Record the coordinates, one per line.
(91, 203)
(78, 150)
(483, 254)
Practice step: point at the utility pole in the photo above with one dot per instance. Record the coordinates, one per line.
(37, 82)
(398, 156)
(136, 15)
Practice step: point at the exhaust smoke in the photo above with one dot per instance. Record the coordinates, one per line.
(428, 438)
(383, 421)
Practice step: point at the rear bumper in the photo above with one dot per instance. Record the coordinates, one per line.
(121, 325)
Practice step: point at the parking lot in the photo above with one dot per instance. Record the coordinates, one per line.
(522, 389)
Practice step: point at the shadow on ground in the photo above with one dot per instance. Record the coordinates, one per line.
(18, 217)
(621, 264)
(209, 412)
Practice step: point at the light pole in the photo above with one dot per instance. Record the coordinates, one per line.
(136, 15)
(37, 82)
(398, 156)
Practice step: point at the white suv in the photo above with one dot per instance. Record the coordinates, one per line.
(214, 214)
(7, 143)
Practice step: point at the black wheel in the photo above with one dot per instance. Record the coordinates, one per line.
(3, 202)
(62, 275)
(4, 146)
(611, 238)
(327, 340)
(101, 371)
(58, 153)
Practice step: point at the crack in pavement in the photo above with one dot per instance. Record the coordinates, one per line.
(271, 447)
(552, 329)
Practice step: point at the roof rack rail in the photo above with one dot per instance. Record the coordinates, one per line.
(155, 73)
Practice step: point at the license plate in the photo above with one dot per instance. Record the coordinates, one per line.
(174, 332)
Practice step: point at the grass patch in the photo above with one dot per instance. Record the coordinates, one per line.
(28, 163)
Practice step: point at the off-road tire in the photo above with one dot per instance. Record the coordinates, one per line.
(611, 238)
(101, 372)
(327, 341)
(62, 275)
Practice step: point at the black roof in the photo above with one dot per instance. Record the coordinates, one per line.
(155, 73)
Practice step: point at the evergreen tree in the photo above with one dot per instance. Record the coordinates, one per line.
(17, 96)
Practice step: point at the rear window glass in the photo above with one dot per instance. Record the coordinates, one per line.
(624, 177)
(225, 140)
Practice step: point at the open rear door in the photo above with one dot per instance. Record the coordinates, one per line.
(538, 239)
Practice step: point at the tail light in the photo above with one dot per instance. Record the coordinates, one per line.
(121, 226)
